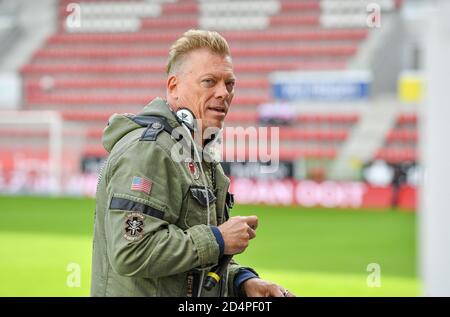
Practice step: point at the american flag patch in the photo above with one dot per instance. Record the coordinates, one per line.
(141, 184)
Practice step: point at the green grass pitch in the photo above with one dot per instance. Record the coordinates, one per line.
(312, 252)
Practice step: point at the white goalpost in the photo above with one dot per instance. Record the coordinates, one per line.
(27, 121)
(434, 216)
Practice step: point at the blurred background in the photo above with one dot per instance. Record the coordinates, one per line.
(344, 80)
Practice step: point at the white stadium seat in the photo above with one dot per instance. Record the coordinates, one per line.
(240, 8)
(234, 23)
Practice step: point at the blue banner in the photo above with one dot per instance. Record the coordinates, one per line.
(327, 86)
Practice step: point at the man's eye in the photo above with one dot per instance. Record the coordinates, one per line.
(230, 86)
(208, 82)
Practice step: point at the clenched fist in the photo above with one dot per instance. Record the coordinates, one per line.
(237, 232)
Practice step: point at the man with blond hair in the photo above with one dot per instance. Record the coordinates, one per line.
(162, 225)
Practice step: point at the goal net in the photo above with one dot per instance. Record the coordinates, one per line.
(31, 152)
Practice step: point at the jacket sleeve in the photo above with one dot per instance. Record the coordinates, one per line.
(234, 269)
(142, 240)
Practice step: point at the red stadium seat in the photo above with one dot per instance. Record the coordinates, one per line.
(89, 76)
(113, 83)
(328, 118)
(401, 141)
(395, 155)
(300, 6)
(180, 23)
(403, 136)
(407, 119)
(244, 153)
(85, 116)
(111, 99)
(263, 51)
(184, 7)
(250, 67)
(305, 20)
(292, 133)
(232, 37)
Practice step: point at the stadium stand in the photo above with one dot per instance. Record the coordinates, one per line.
(400, 144)
(8, 23)
(113, 60)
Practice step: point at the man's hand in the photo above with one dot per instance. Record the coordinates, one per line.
(236, 233)
(256, 287)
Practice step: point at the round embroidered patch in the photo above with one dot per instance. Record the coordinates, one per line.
(134, 226)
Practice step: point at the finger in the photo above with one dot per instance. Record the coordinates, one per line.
(286, 293)
(252, 221)
(251, 233)
(277, 292)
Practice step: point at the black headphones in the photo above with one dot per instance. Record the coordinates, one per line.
(186, 116)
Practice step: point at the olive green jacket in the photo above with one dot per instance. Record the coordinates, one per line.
(151, 236)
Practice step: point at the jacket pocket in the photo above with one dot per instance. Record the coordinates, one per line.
(196, 209)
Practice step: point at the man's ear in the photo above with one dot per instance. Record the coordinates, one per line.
(172, 85)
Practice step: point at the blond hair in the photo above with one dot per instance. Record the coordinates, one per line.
(192, 40)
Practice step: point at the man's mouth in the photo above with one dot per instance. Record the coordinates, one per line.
(221, 110)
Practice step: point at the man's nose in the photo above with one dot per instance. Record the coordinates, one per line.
(222, 91)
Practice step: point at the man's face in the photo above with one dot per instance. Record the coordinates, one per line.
(205, 85)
